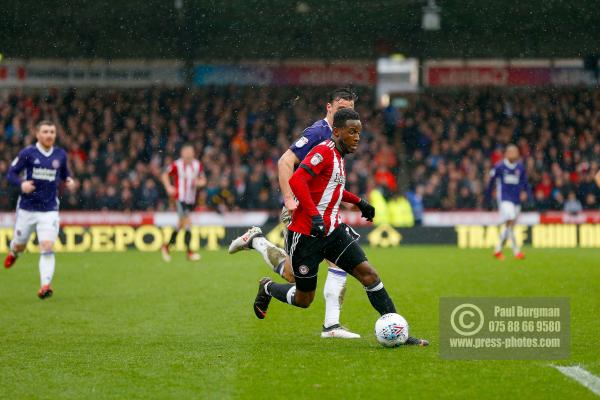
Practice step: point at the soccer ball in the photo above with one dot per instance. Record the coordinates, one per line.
(391, 330)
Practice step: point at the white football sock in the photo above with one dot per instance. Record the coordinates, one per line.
(503, 236)
(46, 267)
(334, 286)
(513, 241)
(272, 254)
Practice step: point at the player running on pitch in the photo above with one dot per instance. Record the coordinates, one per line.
(510, 180)
(188, 175)
(276, 257)
(316, 231)
(38, 170)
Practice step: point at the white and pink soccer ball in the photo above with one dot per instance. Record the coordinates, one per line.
(391, 330)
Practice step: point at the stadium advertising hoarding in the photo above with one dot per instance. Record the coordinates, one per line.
(90, 73)
(530, 73)
(103, 232)
(302, 74)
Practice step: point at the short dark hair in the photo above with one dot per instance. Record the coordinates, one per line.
(43, 122)
(343, 115)
(345, 93)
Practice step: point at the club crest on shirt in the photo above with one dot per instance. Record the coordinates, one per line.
(301, 142)
(55, 164)
(316, 159)
(303, 269)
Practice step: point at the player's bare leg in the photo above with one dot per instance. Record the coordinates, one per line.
(13, 254)
(46, 265)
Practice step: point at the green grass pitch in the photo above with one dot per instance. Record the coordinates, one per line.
(127, 325)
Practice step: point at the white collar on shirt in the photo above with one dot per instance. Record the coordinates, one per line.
(509, 164)
(47, 153)
(327, 122)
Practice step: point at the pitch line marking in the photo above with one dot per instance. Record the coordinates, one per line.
(581, 375)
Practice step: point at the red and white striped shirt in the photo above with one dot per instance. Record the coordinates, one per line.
(184, 179)
(326, 187)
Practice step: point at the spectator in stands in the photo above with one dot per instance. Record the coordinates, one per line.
(121, 139)
(572, 205)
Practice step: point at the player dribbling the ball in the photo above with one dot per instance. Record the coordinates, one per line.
(316, 231)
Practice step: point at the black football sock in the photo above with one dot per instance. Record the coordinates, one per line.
(188, 238)
(173, 238)
(379, 298)
(283, 292)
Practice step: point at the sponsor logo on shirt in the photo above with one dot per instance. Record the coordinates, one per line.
(316, 159)
(510, 179)
(44, 174)
(339, 178)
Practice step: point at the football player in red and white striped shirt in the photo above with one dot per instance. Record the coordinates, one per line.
(317, 232)
(187, 174)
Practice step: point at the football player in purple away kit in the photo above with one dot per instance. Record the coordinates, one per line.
(275, 257)
(317, 232)
(510, 180)
(37, 171)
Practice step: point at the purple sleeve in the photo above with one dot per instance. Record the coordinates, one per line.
(16, 167)
(524, 183)
(309, 139)
(490, 185)
(64, 168)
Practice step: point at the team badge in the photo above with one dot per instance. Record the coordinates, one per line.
(55, 164)
(303, 269)
(301, 142)
(18, 232)
(316, 159)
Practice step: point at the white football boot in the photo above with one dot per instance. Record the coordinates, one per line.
(338, 331)
(245, 241)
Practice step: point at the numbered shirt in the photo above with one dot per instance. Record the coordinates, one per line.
(326, 166)
(46, 169)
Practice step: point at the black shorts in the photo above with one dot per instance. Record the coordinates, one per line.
(306, 252)
(184, 209)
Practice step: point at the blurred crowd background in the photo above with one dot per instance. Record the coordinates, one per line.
(436, 153)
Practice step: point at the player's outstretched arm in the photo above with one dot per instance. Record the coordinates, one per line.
(285, 168)
(367, 210)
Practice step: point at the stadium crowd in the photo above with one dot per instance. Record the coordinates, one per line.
(119, 142)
